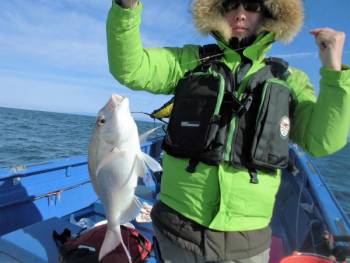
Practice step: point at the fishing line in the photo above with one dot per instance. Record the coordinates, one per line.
(174, 82)
(216, 55)
(154, 119)
(141, 112)
(149, 115)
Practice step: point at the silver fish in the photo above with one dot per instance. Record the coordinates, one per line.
(115, 163)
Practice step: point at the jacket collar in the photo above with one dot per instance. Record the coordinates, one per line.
(254, 52)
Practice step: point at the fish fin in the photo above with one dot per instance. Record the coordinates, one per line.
(132, 211)
(139, 166)
(152, 164)
(108, 158)
(111, 241)
(143, 137)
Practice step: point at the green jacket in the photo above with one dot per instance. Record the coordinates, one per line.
(222, 198)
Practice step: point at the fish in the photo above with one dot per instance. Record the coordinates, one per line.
(115, 161)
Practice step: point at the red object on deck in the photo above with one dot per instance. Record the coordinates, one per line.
(276, 250)
(305, 258)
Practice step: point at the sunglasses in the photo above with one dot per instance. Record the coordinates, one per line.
(250, 6)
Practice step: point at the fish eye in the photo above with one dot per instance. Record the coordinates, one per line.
(101, 121)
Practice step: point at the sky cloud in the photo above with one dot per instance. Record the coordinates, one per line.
(57, 48)
(57, 38)
(305, 55)
(84, 97)
(301, 55)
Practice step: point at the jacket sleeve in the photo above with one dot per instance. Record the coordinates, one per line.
(155, 69)
(321, 125)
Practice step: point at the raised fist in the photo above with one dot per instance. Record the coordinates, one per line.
(330, 44)
(128, 3)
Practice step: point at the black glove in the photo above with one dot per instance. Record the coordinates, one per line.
(126, 3)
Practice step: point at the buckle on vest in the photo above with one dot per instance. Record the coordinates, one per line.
(253, 176)
(238, 108)
(245, 106)
(192, 164)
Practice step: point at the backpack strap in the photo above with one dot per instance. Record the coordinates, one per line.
(210, 53)
(279, 67)
(192, 164)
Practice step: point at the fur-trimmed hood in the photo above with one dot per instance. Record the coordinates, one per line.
(287, 18)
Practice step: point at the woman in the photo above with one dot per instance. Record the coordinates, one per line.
(214, 212)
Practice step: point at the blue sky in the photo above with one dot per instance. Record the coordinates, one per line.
(53, 52)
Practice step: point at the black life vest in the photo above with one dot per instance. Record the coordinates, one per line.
(205, 105)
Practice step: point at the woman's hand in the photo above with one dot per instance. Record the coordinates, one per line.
(330, 44)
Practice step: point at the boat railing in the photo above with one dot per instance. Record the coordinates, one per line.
(37, 192)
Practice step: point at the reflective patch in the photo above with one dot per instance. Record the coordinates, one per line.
(190, 124)
(284, 127)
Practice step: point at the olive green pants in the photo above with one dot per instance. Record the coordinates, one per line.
(171, 253)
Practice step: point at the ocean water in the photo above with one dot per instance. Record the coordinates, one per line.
(33, 137)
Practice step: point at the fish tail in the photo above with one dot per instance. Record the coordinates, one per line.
(112, 240)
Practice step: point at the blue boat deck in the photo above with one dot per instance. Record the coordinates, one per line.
(34, 243)
(36, 200)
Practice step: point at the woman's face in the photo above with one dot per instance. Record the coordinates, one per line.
(243, 23)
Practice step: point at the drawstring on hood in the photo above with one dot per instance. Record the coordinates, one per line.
(284, 18)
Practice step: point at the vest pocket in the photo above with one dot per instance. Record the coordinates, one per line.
(270, 141)
(193, 126)
(195, 118)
